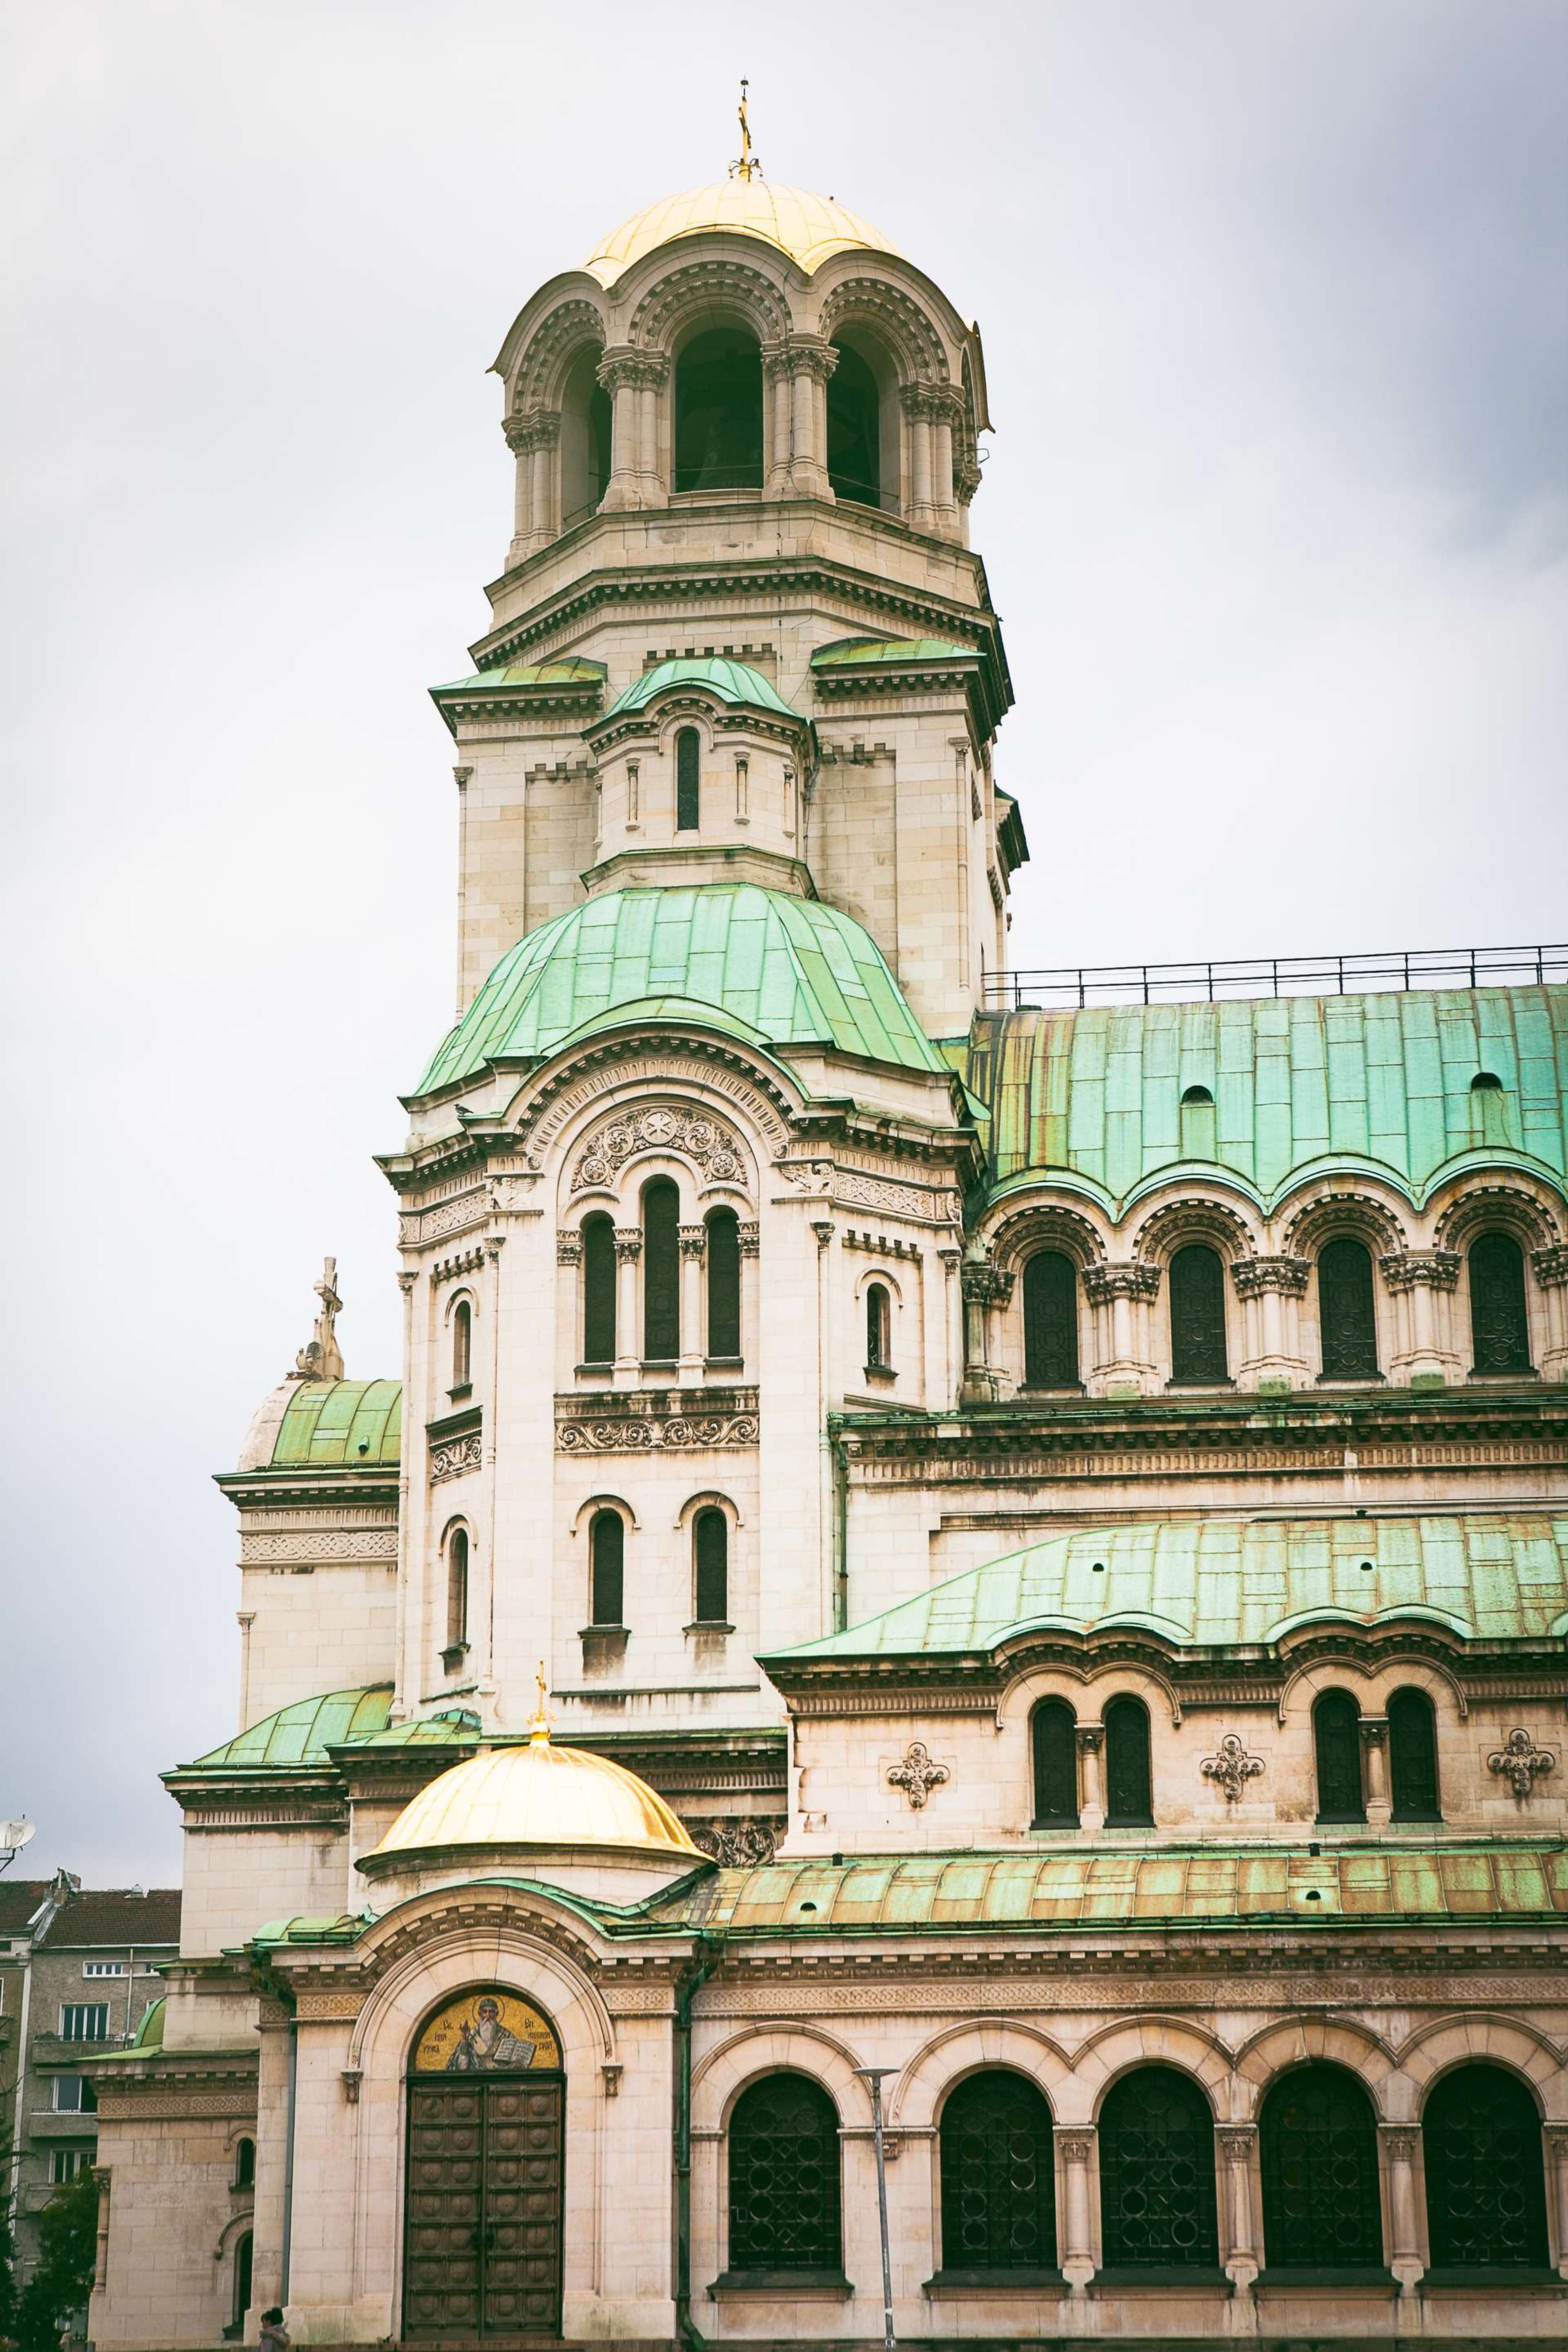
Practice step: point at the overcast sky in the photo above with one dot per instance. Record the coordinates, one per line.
(1272, 294)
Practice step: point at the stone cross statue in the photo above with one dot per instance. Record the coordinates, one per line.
(323, 1359)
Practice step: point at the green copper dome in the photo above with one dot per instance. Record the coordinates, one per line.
(732, 681)
(777, 970)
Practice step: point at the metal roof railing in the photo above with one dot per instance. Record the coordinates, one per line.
(1320, 975)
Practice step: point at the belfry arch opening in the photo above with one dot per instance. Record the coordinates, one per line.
(719, 412)
(584, 439)
(863, 425)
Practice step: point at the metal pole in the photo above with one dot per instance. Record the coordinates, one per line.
(873, 2076)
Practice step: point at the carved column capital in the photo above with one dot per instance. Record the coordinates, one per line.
(823, 1228)
(628, 1241)
(1420, 1269)
(693, 1240)
(569, 1246)
(1237, 2141)
(1253, 1276)
(811, 355)
(750, 1239)
(1400, 2141)
(628, 365)
(1075, 2142)
(1088, 1737)
(938, 403)
(1104, 1282)
(1551, 1265)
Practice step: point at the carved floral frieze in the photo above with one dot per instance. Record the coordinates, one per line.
(687, 1132)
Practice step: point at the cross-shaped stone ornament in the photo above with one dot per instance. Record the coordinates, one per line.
(917, 1776)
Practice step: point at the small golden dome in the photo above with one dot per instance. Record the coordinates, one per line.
(807, 227)
(539, 1795)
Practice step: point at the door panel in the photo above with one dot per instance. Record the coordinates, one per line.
(482, 2230)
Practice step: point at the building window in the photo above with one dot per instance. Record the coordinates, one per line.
(104, 1969)
(1197, 1315)
(1127, 1782)
(239, 2301)
(662, 1272)
(74, 2096)
(688, 770)
(710, 1547)
(607, 1553)
(598, 1290)
(878, 1329)
(462, 1344)
(723, 1284)
(1336, 1744)
(1413, 1757)
(1500, 1326)
(65, 2163)
(1156, 2173)
(1053, 1742)
(84, 2021)
(1318, 2145)
(783, 2178)
(457, 1590)
(998, 2188)
(1488, 1110)
(854, 430)
(245, 2164)
(1347, 1315)
(1050, 1321)
(719, 413)
(1198, 1139)
(1486, 2187)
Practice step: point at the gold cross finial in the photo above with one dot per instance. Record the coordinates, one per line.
(746, 165)
(539, 1729)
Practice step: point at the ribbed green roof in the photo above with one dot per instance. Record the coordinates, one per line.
(450, 1729)
(1384, 1079)
(301, 1734)
(1492, 1576)
(875, 652)
(732, 681)
(337, 1424)
(573, 671)
(792, 970)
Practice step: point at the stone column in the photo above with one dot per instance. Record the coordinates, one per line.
(1090, 1742)
(979, 1384)
(1128, 1293)
(1556, 2139)
(693, 1322)
(1551, 1270)
(778, 398)
(812, 361)
(546, 524)
(628, 1338)
(750, 1304)
(656, 482)
(623, 371)
(1239, 2146)
(1075, 2155)
(1425, 1277)
(1374, 1767)
(915, 401)
(518, 433)
(1405, 2259)
(1268, 1286)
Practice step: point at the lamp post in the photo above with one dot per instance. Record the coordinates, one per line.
(873, 2076)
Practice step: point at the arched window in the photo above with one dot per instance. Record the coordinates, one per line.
(584, 440)
(1197, 1315)
(723, 1283)
(711, 1551)
(1336, 1744)
(1127, 1782)
(1318, 2145)
(457, 1588)
(598, 1290)
(878, 1329)
(1053, 1746)
(854, 430)
(688, 781)
(783, 2178)
(1486, 2187)
(1156, 2173)
(998, 2188)
(1050, 1321)
(462, 1344)
(662, 1272)
(1347, 1318)
(719, 413)
(240, 2294)
(1500, 1326)
(1488, 1110)
(245, 2164)
(1199, 1138)
(1413, 1757)
(607, 1553)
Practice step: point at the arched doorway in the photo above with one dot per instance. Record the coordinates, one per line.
(482, 2212)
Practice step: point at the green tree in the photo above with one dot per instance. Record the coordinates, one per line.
(68, 2256)
(7, 2261)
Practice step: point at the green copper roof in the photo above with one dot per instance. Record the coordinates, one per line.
(301, 1734)
(339, 1425)
(1490, 1576)
(573, 671)
(794, 970)
(732, 681)
(446, 1730)
(150, 2032)
(1380, 1079)
(860, 653)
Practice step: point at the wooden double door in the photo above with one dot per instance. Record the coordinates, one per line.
(482, 2218)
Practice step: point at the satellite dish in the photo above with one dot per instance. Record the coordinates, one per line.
(14, 1835)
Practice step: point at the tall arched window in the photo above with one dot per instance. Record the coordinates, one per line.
(1198, 1138)
(1318, 2145)
(1413, 1757)
(1486, 2186)
(457, 1588)
(1128, 1793)
(239, 2293)
(784, 2212)
(719, 412)
(1156, 2173)
(688, 781)
(462, 1344)
(245, 2164)
(1053, 1746)
(1347, 1315)
(1336, 1744)
(854, 430)
(878, 1329)
(584, 440)
(607, 1556)
(1050, 1321)
(723, 1283)
(1197, 1315)
(710, 1559)
(1499, 1323)
(662, 1272)
(999, 2186)
(598, 1290)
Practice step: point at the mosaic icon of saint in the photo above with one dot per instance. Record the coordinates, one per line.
(485, 2047)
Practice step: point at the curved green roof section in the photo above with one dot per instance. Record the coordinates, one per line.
(1383, 1078)
(792, 970)
(732, 681)
(150, 2032)
(340, 1425)
(302, 1733)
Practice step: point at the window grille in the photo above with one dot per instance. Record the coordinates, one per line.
(598, 1291)
(783, 2178)
(712, 1543)
(1347, 1315)
(662, 1272)
(1413, 1758)
(723, 1283)
(1318, 2144)
(1197, 1315)
(1499, 1325)
(607, 1543)
(1156, 2173)
(1128, 1791)
(1054, 1742)
(998, 2191)
(84, 2021)
(688, 770)
(1336, 1742)
(1050, 1321)
(1485, 2188)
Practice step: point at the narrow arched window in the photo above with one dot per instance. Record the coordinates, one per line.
(607, 1556)
(462, 1344)
(1499, 1324)
(457, 1589)
(710, 1548)
(1347, 1315)
(1053, 1746)
(245, 2164)
(878, 1329)
(719, 412)
(1486, 2185)
(598, 1290)
(1128, 1791)
(784, 2200)
(1050, 1321)
(1488, 1110)
(1198, 1140)
(687, 780)
(1318, 2150)
(239, 2293)
(1336, 1744)
(662, 1272)
(998, 2184)
(1413, 1757)
(1156, 2173)
(723, 1283)
(1197, 1315)
(854, 430)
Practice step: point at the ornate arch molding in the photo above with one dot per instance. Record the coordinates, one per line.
(1436, 2049)
(551, 349)
(1478, 1208)
(1286, 2043)
(1125, 2044)
(1045, 1224)
(595, 1075)
(685, 1131)
(1034, 1654)
(233, 2229)
(473, 1929)
(1168, 1229)
(772, 2049)
(1367, 1670)
(1336, 1216)
(958, 2050)
(895, 317)
(718, 285)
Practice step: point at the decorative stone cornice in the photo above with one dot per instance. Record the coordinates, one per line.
(650, 1421)
(1102, 1284)
(1420, 1269)
(1253, 1276)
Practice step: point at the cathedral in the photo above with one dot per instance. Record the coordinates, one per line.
(932, 1707)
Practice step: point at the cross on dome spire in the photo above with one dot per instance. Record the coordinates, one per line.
(321, 1358)
(746, 165)
(539, 1729)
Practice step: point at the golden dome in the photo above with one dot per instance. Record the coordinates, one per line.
(538, 1795)
(807, 227)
